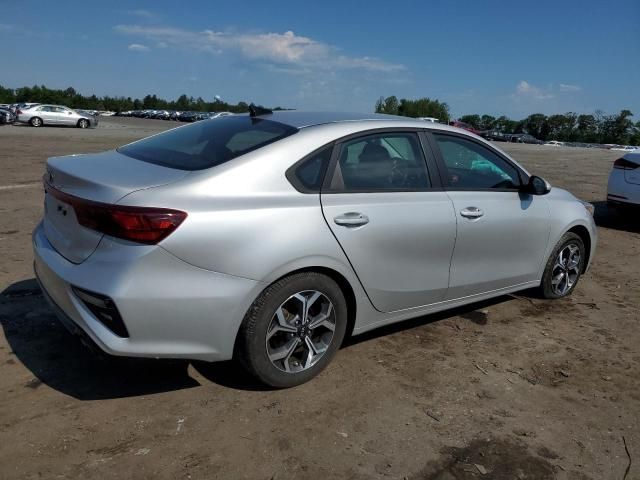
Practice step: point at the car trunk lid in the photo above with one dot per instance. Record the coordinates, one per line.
(102, 177)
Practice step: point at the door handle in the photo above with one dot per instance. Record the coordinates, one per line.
(471, 212)
(351, 219)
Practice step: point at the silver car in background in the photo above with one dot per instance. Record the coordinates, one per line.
(48, 115)
(270, 237)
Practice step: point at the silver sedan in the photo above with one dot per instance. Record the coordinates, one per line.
(270, 237)
(40, 115)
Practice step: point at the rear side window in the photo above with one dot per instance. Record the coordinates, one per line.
(207, 143)
(308, 175)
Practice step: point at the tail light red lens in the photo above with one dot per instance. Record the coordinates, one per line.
(624, 164)
(18, 112)
(147, 225)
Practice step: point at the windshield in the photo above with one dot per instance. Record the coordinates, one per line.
(207, 143)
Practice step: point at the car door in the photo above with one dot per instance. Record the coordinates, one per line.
(393, 221)
(65, 116)
(502, 231)
(47, 114)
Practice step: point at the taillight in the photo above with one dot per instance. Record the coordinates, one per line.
(18, 112)
(624, 164)
(148, 225)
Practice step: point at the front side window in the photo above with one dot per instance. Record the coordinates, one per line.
(207, 143)
(472, 166)
(387, 161)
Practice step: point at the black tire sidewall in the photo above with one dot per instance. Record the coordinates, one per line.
(31, 122)
(252, 353)
(567, 238)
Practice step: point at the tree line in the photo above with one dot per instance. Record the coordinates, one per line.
(73, 99)
(568, 127)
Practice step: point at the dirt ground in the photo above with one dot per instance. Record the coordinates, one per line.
(516, 388)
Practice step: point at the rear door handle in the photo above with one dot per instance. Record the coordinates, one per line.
(471, 212)
(351, 219)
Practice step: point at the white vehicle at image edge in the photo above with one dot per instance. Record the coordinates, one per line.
(624, 181)
(48, 115)
(270, 237)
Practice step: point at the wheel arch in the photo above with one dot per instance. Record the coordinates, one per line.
(339, 278)
(585, 236)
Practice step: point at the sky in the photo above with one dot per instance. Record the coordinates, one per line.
(495, 57)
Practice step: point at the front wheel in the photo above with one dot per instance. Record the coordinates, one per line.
(564, 267)
(35, 122)
(293, 330)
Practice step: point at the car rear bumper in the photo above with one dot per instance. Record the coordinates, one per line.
(171, 309)
(619, 191)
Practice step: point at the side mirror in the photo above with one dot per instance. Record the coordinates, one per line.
(538, 185)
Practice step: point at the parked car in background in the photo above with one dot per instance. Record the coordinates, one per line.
(623, 189)
(49, 115)
(494, 135)
(429, 119)
(624, 148)
(524, 138)
(210, 241)
(554, 143)
(464, 126)
(6, 116)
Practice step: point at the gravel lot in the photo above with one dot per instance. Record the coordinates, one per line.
(515, 388)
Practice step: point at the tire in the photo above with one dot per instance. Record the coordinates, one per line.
(276, 310)
(83, 123)
(561, 274)
(35, 122)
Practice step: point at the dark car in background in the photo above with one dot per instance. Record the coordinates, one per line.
(6, 116)
(524, 138)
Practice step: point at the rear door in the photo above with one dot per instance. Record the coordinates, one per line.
(47, 114)
(502, 232)
(396, 226)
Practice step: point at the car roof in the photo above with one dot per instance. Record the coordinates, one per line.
(304, 119)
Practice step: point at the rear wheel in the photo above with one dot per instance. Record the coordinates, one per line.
(293, 330)
(564, 267)
(83, 123)
(35, 122)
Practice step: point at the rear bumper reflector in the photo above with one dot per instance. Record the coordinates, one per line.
(103, 308)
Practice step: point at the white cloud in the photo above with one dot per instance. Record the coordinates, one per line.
(565, 87)
(277, 48)
(526, 90)
(137, 47)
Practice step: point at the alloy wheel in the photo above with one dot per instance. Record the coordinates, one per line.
(566, 269)
(300, 331)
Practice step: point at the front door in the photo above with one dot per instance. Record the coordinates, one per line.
(502, 231)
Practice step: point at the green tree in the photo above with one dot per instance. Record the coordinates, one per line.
(473, 120)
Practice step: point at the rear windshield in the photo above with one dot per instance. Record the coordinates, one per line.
(207, 143)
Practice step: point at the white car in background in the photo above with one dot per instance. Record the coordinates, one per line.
(624, 149)
(429, 119)
(554, 143)
(624, 181)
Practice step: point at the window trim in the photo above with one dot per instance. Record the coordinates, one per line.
(429, 163)
(292, 176)
(442, 167)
